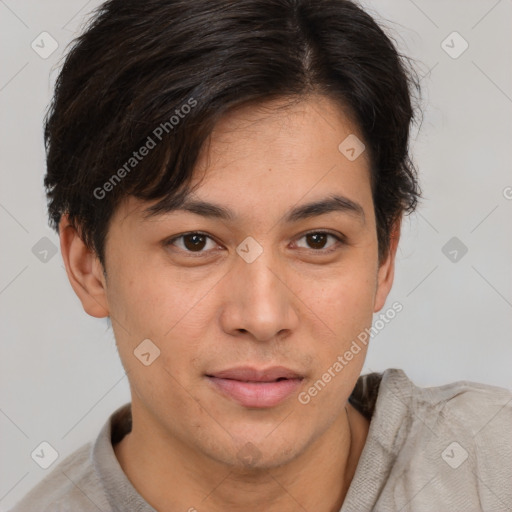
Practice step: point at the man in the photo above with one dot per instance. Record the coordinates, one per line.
(228, 180)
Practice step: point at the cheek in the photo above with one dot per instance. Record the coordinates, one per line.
(164, 310)
(148, 310)
(343, 310)
(149, 301)
(345, 300)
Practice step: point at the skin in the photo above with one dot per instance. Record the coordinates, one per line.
(296, 305)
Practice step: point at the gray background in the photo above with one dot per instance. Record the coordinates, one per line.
(60, 374)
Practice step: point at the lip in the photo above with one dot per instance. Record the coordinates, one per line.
(255, 388)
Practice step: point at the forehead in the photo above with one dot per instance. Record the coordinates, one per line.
(280, 130)
(276, 154)
(283, 150)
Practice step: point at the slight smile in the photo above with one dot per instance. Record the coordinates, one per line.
(256, 388)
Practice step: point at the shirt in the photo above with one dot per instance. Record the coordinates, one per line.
(434, 449)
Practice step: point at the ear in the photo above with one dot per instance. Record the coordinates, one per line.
(386, 271)
(85, 272)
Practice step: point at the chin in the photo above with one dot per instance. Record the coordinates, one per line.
(246, 453)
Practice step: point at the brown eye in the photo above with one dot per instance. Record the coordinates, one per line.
(318, 240)
(191, 242)
(194, 242)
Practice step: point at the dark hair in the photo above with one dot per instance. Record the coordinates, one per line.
(175, 67)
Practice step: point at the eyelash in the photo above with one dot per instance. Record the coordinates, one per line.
(340, 239)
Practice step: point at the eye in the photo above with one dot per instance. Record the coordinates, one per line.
(200, 243)
(317, 241)
(193, 242)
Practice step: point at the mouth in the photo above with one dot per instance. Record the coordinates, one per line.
(254, 388)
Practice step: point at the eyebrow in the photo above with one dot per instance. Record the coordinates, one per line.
(332, 203)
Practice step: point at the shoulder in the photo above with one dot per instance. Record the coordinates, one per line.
(470, 408)
(470, 413)
(452, 443)
(71, 485)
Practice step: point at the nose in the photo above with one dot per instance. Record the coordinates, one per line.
(259, 299)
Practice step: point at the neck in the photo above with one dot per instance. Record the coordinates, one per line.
(318, 479)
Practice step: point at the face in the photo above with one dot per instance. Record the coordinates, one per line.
(233, 303)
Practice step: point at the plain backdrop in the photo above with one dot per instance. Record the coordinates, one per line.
(60, 373)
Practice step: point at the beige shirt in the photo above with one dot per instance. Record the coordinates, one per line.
(439, 449)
